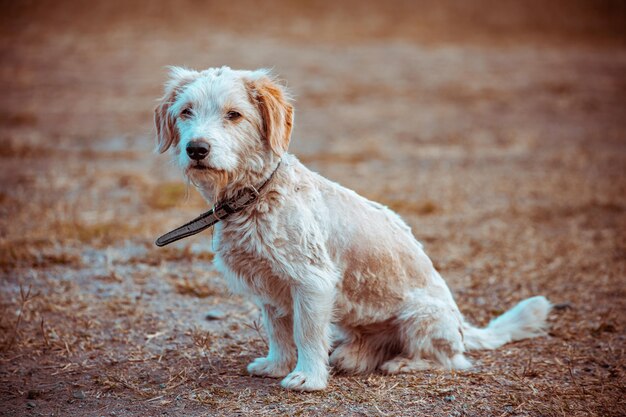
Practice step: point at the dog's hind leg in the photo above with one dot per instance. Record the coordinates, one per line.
(362, 352)
(431, 338)
(355, 355)
(282, 350)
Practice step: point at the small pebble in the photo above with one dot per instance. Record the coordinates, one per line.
(31, 404)
(80, 395)
(215, 315)
(32, 394)
(449, 398)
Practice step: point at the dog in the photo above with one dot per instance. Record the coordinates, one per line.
(340, 280)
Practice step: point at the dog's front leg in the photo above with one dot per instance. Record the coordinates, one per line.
(312, 310)
(282, 351)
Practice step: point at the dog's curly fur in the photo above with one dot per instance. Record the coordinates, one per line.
(327, 267)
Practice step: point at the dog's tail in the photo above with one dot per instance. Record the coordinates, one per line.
(527, 319)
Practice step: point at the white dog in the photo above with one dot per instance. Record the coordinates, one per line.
(326, 266)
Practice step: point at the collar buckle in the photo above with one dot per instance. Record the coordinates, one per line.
(243, 199)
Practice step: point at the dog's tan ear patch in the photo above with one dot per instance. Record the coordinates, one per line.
(166, 133)
(276, 111)
(163, 119)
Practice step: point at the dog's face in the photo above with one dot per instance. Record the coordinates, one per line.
(224, 126)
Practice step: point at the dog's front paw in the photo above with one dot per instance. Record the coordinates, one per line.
(268, 367)
(304, 381)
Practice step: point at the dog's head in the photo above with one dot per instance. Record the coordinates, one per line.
(226, 128)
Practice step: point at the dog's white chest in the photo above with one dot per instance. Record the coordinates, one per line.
(250, 269)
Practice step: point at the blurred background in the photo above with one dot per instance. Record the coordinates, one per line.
(497, 129)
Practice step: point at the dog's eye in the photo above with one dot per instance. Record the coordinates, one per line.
(233, 115)
(186, 113)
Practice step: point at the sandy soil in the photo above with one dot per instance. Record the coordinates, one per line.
(497, 130)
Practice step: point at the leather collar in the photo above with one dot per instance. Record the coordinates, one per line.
(220, 211)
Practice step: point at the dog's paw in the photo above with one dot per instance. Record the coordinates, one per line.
(267, 367)
(304, 381)
(350, 359)
(403, 365)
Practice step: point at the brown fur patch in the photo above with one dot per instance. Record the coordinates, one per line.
(373, 329)
(445, 346)
(367, 278)
(220, 181)
(380, 277)
(276, 112)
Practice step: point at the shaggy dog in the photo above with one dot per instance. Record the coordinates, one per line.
(327, 267)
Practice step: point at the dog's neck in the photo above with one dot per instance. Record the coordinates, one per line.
(240, 181)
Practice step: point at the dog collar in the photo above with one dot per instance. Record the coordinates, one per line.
(220, 211)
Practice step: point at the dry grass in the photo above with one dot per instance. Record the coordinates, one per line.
(195, 287)
(168, 195)
(34, 255)
(421, 208)
(20, 150)
(102, 233)
(171, 254)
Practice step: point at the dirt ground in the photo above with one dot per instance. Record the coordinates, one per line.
(496, 129)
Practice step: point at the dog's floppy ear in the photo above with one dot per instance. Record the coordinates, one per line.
(276, 111)
(163, 119)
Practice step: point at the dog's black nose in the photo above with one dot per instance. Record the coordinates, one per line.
(197, 150)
